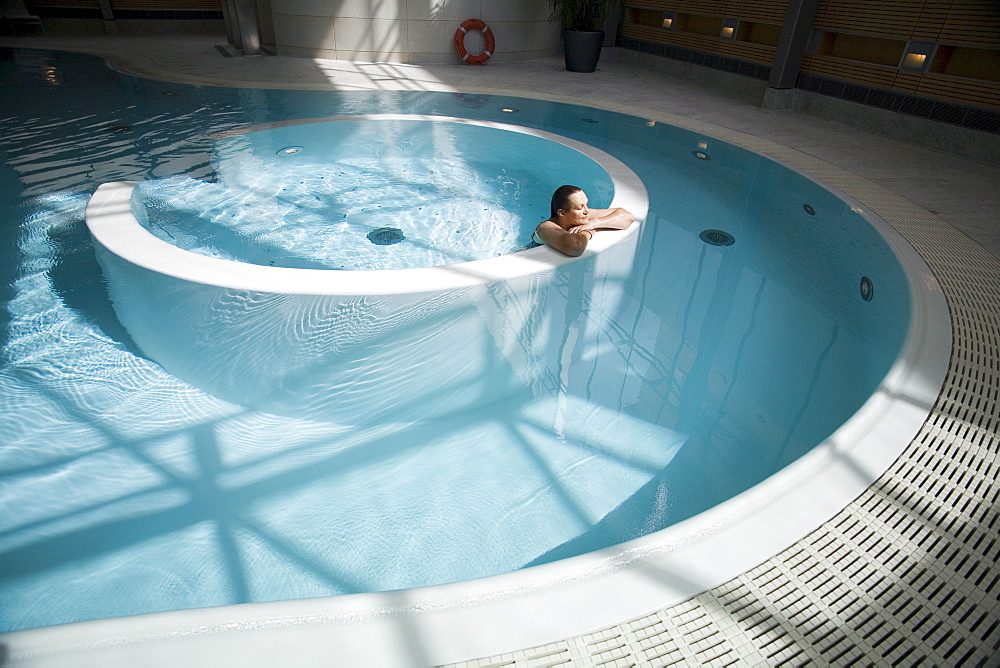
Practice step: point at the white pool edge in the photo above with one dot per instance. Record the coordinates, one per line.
(513, 611)
(111, 222)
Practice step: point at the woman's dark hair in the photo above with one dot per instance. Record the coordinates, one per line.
(560, 198)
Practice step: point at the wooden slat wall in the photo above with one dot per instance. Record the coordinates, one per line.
(742, 50)
(932, 17)
(868, 74)
(773, 10)
(895, 18)
(658, 5)
(762, 11)
(961, 22)
(973, 92)
(710, 7)
(974, 23)
(65, 4)
(957, 22)
(965, 91)
(173, 5)
(766, 11)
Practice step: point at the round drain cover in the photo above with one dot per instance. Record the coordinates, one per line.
(717, 238)
(385, 236)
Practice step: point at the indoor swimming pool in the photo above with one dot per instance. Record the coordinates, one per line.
(170, 441)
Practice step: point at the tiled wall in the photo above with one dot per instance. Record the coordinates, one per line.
(410, 31)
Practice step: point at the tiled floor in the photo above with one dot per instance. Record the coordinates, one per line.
(908, 572)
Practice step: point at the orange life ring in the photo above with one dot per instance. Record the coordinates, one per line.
(474, 24)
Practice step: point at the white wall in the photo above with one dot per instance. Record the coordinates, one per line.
(410, 31)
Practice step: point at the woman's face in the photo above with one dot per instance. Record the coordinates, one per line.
(577, 213)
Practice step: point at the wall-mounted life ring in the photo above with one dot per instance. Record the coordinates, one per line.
(474, 24)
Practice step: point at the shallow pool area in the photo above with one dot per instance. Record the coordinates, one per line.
(630, 403)
(331, 193)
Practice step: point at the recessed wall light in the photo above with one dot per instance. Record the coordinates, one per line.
(918, 56)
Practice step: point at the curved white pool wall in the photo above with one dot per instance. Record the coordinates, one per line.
(319, 343)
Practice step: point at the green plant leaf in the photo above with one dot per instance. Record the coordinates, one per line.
(582, 14)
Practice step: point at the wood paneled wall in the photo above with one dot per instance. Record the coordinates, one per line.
(969, 29)
(646, 16)
(973, 22)
(171, 5)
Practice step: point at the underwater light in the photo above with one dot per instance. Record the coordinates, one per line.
(867, 289)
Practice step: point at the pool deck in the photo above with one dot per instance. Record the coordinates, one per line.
(908, 572)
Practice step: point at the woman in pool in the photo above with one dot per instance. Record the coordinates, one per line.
(572, 223)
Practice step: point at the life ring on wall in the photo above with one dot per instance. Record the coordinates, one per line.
(474, 24)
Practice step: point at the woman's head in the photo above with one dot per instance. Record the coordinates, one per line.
(569, 207)
(561, 199)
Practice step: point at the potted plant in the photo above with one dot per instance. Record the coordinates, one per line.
(583, 30)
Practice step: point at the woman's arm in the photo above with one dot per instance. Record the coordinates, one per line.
(572, 243)
(609, 219)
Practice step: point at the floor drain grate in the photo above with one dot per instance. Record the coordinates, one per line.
(385, 236)
(717, 238)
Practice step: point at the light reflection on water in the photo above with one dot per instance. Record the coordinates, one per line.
(126, 489)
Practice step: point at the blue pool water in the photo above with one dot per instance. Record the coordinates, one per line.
(652, 394)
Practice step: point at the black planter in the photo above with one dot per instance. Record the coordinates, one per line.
(583, 49)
